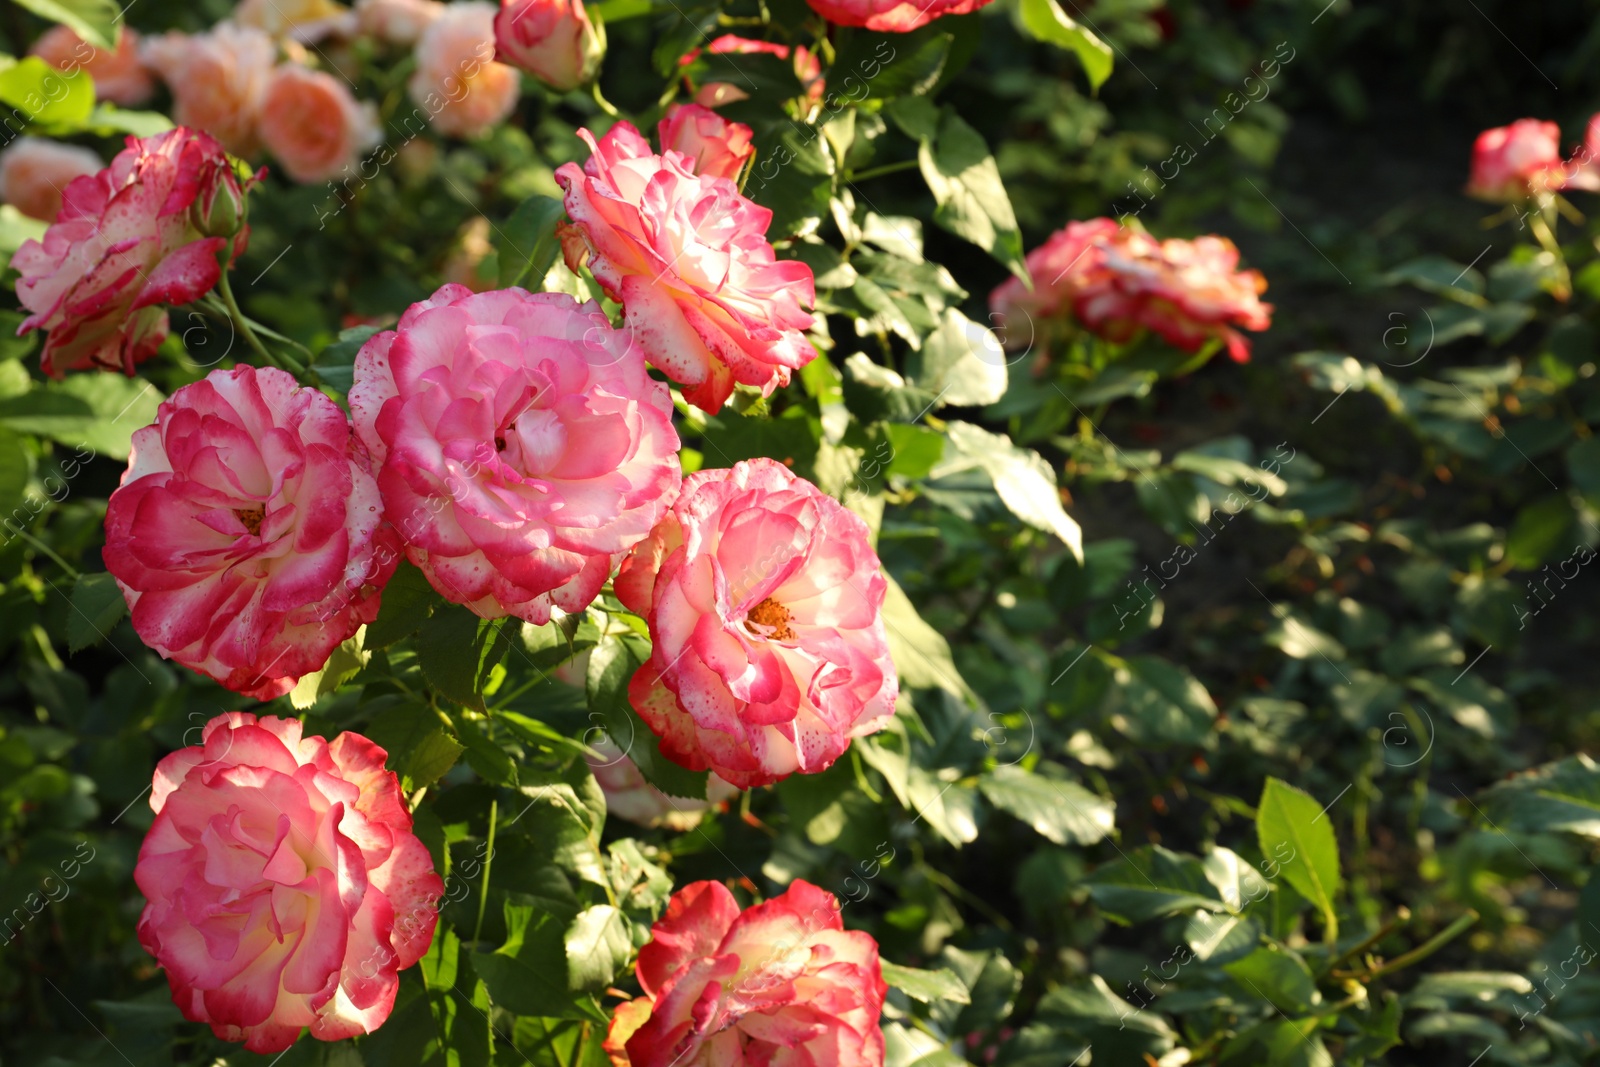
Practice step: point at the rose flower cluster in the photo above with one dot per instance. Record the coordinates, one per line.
(1117, 282)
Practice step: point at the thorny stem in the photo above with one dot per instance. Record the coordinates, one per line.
(488, 861)
(247, 329)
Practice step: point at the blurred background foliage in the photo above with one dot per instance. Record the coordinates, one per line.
(1074, 825)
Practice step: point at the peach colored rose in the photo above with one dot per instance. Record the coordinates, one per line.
(284, 885)
(554, 40)
(302, 20)
(891, 16)
(718, 147)
(630, 797)
(782, 984)
(119, 75)
(519, 443)
(769, 654)
(687, 256)
(245, 536)
(457, 81)
(807, 68)
(1517, 161)
(35, 172)
(125, 243)
(217, 80)
(399, 22)
(1116, 281)
(312, 125)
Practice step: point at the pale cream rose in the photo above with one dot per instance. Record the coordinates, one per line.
(457, 81)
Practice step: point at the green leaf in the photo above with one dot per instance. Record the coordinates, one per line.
(889, 65)
(916, 449)
(1278, 976)
(1564, 795)
(15, 229)
(528, 974)
(792, 176)
(1045, 20)
(100, 411)
(51, 98)
(335, 365)
(926, 986)
(966, 186)
(457, 651)
(527, 244)
(493, 763)
(343, 664)
(1541, 531)
(1152, 882)
(1025, 482)
(107, 119)
(1160, 703)
(93, 20)
(1060, 809)
(921, 654)
(961, 363)
(1296, 838)
(611, 666)
(407, 602)
(15, 467)
(97, 606)
(598, 945)
(420, 746)
(913, 1048)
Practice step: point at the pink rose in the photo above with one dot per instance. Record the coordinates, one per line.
(247, 539)
(891, 16)
(807, 68)
(302, 20)
(553, 40)
(124, 244)
(718, 147)
(285, 888)
(217, 80)
(1116, 281)
(1517, 161)
(763, 597)
(688, 258)
(519, 443)
(398, 22)
(118, 75)
(629, 796)
(313, 125)
(1583, 169)
(781, 984)
(465, 92)
(35, 172)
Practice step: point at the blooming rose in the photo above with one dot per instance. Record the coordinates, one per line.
(312, 125)
(781, 984)
(630, 797)
(457, 80)
(248, 541)
(807, 68)
(688, 258)
(123, 244)
(718, 147)
(769, 653)
(118, 75)
(217, 80)
(554, 40)
(1517, 161)
(285, 888)
(398, 22)
(520, 446)
(303, 20)
(1583, 169)
(891, 16)
(35, 172)
(1116, 281)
